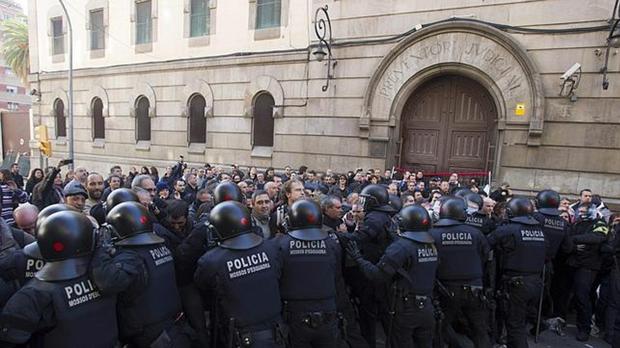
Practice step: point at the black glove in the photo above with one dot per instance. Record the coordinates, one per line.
(353, 250)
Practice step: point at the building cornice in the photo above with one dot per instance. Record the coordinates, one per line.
(236, 59)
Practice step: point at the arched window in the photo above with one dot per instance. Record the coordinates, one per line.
(197, 122)
(143, 121)
(61, 120)
(98, 120)
(262, 126)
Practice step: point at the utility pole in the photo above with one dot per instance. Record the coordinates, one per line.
(70, 94)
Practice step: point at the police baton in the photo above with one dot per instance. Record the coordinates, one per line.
(540, 303)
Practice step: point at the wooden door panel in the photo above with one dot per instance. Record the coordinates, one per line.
(467, 149)
(422, 145)
(447, 125)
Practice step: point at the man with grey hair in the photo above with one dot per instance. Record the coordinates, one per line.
(144, 181)
(272, 190)
(157, 205)
(332, 213)
(26, 217)
(79, 177)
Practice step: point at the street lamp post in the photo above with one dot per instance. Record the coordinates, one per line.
(70, 94)
(323, 30)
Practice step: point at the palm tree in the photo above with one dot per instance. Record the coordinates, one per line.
(15, 47)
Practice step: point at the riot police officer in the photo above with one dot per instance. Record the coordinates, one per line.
(11, 257)
(149, 303)
(555, 229)
(62, 306)
(227, 191)
(241, 275)
(587, 235)
(309, 256)
(202, 238)
(373, 237)
(100, 210)
(33, 261)
(520, 247)
(463, 253)
(410, 264)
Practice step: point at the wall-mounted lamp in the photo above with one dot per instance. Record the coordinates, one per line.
(323, 29)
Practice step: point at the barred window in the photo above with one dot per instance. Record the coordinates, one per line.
(268, 13)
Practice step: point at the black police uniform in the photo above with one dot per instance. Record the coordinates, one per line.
(149, 302)
(60, 313)
(586, 262)
(410, 262)
(244, 284)
(520, 246)
(374, 235)
(186, 259)
(482, 222)
(31, 262)
(351, 334)
(241, 276)
(311, 267)
(555, 229)
(61, 306)
(463, 251)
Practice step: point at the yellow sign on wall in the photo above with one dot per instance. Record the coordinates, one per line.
(520, 110)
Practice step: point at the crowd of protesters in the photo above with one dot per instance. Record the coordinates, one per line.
(181, 196)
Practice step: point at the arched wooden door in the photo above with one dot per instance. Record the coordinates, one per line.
(448, 125)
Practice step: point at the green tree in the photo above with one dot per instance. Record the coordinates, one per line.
(15, 46)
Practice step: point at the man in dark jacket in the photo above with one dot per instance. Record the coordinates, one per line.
(587, 235)
(49, 191)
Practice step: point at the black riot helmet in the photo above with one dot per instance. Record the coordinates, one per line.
(306, 221)
(395, 203)
(461, 192)
(474, 198)
(227, 191)
(233, 225)
(414, 218)
(119, 196)
(131, 224)
(66, 240)
(453, 211)
(375, 197)
(547, 202)
(51, 209)
(519, 206)
(414, 223)
(32, 249)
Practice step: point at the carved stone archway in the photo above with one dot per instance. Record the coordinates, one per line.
(268, 84)
(97, 92)
(477, 51)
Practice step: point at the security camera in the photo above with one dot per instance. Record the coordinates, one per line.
(34, 92)
(570, 72)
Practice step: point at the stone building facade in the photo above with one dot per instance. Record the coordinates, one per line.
(433, 85)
